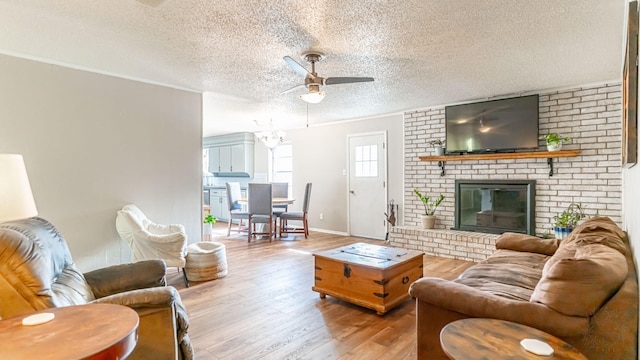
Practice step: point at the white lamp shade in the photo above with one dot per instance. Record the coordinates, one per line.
(16, 199)
(313, 97)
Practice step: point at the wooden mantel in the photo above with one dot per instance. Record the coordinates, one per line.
(502, 156)
(549, 155)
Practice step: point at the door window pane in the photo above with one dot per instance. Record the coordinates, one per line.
(366, 161)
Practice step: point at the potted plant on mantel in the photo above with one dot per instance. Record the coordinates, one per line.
(438, 146)
(567, 220)
(430, 206)
(554, 141)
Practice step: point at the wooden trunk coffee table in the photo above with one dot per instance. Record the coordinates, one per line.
(373, 276)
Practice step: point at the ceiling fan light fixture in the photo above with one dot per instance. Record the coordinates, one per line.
(313, 97)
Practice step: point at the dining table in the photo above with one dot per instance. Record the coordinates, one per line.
(274, 201)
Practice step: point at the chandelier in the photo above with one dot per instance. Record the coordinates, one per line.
(271, 138)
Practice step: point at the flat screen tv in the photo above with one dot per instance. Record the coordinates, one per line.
(492, 126)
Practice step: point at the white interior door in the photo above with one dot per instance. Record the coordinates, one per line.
(367, 185)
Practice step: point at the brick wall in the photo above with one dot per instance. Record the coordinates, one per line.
(591, 116)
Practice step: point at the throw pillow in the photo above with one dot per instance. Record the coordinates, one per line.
(526, 243)
(578, 285)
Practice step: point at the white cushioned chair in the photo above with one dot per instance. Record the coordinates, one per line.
(149, 240)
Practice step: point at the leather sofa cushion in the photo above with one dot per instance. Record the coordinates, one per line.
(578, 285)
(526, 243)
(597, 230)
(508, 274)
(510, 281)
(511, 257)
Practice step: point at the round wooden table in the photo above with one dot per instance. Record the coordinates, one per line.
(92, 331)
(472, 339)
(274, 201)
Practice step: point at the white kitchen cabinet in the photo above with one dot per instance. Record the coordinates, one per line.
(218, 204)
(238, 158)
(225, 159)
(214, 159)
(231, 155)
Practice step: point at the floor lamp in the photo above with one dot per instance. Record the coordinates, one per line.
(16, 199)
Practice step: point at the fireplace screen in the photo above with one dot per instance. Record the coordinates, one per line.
(495, 206)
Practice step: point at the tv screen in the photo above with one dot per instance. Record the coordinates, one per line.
(492, 126)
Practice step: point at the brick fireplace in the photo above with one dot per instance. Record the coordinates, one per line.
(590, 115)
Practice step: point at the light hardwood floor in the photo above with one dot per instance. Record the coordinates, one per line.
(265, 308)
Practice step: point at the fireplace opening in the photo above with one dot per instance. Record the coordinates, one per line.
(495, 206)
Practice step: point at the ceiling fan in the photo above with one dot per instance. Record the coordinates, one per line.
(311, 79)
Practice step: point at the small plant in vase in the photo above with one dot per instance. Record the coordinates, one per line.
(207, 230)
(554, 141)
(567, 220)
(430, 206)
(438, 146)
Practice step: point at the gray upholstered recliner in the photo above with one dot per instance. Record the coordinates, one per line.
(37, 272)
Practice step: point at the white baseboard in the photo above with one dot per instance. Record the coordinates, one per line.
(342, 233)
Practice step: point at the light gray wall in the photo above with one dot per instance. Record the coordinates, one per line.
(93, 143)
(319, 157)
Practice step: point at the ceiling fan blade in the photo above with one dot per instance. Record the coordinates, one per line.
(293, 88)
(346, 80)
(297, 67)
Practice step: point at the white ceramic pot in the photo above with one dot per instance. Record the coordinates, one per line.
(428, 221)
(207, 231)
(554, 147)
(439, 151)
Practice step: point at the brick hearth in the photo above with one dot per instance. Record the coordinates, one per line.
(462, 245)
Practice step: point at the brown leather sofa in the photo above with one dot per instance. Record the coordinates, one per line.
(583, 289)
(37, 272)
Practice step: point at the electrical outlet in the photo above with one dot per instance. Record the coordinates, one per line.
(321, 216)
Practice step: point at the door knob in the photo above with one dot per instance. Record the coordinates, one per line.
(351, 191)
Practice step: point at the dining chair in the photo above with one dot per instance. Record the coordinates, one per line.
(279, 190)
(297, 215)
(234, 194)
(260, 209)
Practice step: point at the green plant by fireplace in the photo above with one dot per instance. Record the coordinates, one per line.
(210, 219)
(430, 205)
(437, 143)
(570, 217)
(567, 220)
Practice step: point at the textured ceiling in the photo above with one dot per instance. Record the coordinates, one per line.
(420, 52)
